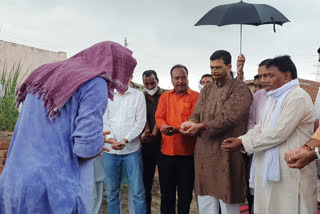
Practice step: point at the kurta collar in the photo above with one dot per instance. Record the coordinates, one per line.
(130, 90)
(221, 84)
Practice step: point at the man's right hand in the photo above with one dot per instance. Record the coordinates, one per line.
(169, 130)
(232, 145)
(240, 62)
(185, 126)
(114, 143)
(118, 146)
(146, 136)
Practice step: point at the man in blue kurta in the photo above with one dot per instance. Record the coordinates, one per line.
(49, 167)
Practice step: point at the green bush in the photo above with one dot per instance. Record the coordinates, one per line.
(8, 110)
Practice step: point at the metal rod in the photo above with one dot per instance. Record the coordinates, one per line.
(240, 39)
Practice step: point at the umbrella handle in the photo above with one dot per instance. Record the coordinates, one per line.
(240, 39)
(274, 24)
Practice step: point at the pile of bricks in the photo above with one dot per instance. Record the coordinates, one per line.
(4, 146)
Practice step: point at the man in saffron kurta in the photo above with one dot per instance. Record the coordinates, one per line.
(222, 110)
(176, 166)
(286, 123)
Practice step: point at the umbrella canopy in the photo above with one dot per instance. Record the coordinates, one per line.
(243, 13)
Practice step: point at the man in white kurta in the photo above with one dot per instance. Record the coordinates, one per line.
(295, 192)
(125, 117)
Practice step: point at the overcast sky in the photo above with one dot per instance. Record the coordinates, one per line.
(161, 33)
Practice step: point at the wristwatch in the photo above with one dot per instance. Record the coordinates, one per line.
(316, 149)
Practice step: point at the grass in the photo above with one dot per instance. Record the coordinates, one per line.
(156, 200)
(8, 110)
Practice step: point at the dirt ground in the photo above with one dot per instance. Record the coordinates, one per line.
(155, 200)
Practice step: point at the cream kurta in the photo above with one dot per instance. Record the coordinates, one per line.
(295, 193)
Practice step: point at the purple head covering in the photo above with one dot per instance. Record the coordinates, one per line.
(59, 80)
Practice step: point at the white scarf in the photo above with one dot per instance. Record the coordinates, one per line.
(271, 167)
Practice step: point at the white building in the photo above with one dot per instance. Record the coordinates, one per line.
(29, 58)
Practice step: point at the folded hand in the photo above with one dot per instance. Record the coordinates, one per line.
(232, 145)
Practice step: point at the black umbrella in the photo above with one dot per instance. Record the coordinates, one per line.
(243, 13)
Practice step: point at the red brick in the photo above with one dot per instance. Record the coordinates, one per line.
(4, 145)
(3, 153)
(311, 87)
(3, 161)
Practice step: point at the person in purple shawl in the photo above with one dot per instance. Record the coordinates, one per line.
(49, 168)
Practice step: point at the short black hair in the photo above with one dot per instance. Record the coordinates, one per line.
(318, 50)
(284, 64)
(178, 66)
(205, 75)
(256, 77)
(264, 62)
(221, 54)
(148, 73)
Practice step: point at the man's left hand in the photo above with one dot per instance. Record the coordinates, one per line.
(186, 125)
(292, 152)
(124, 141)
(106, 141)
(302, 159)
(192, 130)
(169, 130)
(118, 146)
(232, 145)
(172, 131)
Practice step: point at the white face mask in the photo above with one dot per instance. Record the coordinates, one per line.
(200, 86)
(152, 91)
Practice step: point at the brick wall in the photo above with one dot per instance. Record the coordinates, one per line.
(4, 146)
(311, 88)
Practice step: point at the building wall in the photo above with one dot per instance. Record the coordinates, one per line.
(30, 58)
